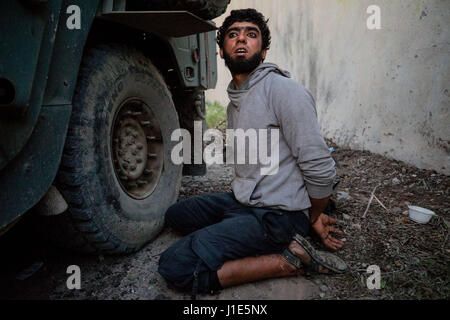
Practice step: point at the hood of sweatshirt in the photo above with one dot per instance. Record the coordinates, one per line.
(264, 69)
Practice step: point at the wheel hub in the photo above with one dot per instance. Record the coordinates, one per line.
(137, 149)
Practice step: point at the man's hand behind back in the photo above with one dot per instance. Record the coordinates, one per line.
(323, 227)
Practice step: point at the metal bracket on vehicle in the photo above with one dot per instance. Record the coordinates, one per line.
(165, 23)
(200, 106)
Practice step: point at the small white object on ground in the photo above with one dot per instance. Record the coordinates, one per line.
(323, 288)
(343, 195)
(420, 215)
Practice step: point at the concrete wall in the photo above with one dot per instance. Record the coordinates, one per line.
(385, 90)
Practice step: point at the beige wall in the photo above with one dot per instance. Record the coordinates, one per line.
(385, 90)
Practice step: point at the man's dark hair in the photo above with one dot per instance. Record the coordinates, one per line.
(245, 15)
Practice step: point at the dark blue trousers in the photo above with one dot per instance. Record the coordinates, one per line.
(219, 229)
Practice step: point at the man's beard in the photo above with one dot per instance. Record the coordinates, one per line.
(242, 65)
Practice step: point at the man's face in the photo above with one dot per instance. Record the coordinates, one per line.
(242, 48)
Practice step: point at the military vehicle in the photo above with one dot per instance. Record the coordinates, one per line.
(90, 93)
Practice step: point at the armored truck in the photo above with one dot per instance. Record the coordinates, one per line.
(90, 93)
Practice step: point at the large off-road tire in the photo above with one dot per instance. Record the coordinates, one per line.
(206, 9)
(116, 173)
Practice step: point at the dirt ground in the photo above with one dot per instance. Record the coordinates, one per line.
(413, 258)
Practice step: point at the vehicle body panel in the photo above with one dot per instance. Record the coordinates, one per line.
(42, 63)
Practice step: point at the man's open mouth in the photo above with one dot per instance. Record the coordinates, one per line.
(241, 51)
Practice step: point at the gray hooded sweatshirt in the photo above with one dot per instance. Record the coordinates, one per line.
(269, 99)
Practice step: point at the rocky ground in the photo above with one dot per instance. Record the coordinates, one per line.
(413, 258)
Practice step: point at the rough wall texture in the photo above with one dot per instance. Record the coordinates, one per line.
(386, 91)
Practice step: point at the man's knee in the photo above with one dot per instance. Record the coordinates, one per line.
(178, 266)
(180, 216)
(167, 268)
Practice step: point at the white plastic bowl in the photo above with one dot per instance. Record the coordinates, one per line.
(420, 215)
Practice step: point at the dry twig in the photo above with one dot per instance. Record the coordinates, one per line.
(381, 204)
(370, 201)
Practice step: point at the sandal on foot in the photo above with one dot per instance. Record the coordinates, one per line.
(318, 258)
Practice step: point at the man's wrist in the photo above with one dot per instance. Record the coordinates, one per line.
(314, 218)
(317, 207)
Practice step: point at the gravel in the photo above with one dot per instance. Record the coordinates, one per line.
(413, 259)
